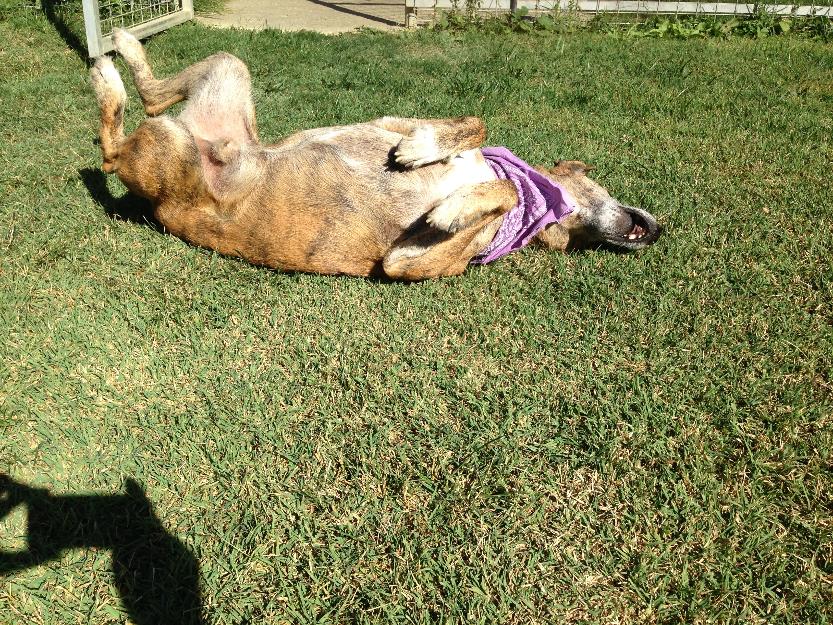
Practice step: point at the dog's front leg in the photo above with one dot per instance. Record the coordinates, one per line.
(469, 204)
(428, 141)
(457, 229)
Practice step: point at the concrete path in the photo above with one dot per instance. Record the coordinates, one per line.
(324, 16)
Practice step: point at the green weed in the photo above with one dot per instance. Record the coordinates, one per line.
(758, 25)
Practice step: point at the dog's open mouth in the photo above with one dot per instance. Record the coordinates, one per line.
(638, 230)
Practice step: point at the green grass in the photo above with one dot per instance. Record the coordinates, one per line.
(597, 437)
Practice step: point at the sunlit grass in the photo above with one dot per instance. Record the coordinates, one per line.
(586, 438)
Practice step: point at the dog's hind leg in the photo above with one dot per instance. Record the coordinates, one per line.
(218, 87)
(433, 251)
(160, 156)
(111, 97)
(427, 141)
(157, 95)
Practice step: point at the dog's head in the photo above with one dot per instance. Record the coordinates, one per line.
(597, 218)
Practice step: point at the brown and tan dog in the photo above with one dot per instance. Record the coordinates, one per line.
(404, 198)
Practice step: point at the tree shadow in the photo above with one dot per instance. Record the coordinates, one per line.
(155, 573)
(59, 13)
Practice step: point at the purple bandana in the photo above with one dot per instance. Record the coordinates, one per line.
(540, 203)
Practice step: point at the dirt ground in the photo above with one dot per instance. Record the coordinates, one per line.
(325, 16)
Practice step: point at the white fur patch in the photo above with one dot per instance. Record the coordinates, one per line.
(444, 215)
(468, 167)
(404, 252)
(330, 135)
(108, 70)
(352, 163)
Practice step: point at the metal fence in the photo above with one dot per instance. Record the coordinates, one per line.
(141, 17)
(420, 10)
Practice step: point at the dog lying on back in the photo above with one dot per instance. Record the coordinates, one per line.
(403, 198)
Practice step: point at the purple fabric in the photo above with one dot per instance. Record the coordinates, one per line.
(540, 203)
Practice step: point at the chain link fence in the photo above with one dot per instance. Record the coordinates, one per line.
(140, 17)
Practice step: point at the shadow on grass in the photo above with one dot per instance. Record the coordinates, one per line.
(128, 207)
(60, 14)
(156, 575)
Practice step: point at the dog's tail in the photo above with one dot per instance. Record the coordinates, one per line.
(111, 96)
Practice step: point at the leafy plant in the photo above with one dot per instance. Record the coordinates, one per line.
(816, 27)
(518, 21)
(758, 25)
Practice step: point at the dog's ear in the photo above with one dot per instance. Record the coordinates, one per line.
(573, 167)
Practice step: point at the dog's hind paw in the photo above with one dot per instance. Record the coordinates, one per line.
(127, 45)
(104, 71)
(418, 149)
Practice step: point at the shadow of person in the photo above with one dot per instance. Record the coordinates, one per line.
(156, 575)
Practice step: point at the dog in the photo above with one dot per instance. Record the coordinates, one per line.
(405, 199)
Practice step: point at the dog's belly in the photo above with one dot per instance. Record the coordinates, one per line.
(355, 163)
(335, 204)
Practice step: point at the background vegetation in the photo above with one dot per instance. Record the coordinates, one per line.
(588, 438)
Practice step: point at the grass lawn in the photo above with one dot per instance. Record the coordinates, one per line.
(597, 438)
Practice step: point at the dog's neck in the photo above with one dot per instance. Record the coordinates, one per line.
(541, 202)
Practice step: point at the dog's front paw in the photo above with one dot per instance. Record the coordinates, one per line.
(418, 149)
(107, 84)
(447, 215)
